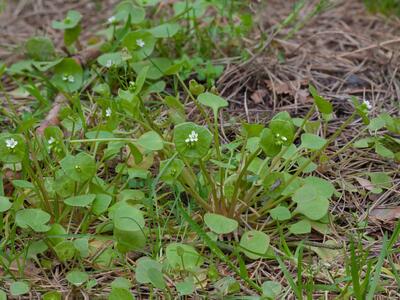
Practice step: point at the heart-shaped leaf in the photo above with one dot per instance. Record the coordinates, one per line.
(300, 227)
(33, 218)
(310, 203)
(183, 257)
(220, 224)
(126, 9)
(71, 20)
(165, 30)
(280, 213)
(254, 243)
(40, 48)
(80, 201)
(312, 141)
(77, 277)
(213, 101)
(150, 141)
(19, 288)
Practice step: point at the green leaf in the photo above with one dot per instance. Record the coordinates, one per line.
(151, 141)
(312, 141)
(80, 167)
(300, 227)
(213, 101)
(186, 287)
(12, 148)
(324, 188)
(183, 257)
(52, 295)
(271, 289)
(68, 75)
(65, 251)
(268, 143)
(120, 294)
(109, 60)
(77, 277)
(3, 295)
(80, 201)
(157, 67)
(128, 228)
(101, 204)
(5, 204)
(33, 218)
(254, 243)
(381, 150)
(165, 30)
(156, 278)
(40, 48)
(310, 203)
(195, 150)
(71, 20)
(139, 42)
(144, 267)
(324, 106)
(280, 213)
(56, 230)
(172, 171)
(220, 224)
(126, 9)
(122, 283)
(71, 35)
(19, 288)
(82, 246)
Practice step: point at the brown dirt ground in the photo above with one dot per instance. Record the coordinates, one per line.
(344, 52)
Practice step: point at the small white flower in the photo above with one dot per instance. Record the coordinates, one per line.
(140, 43)
(65, 77)
(51, 140)
(71, 78)
(108, 112)
(11, 143)
(109, 63)
(111, 19)
(284, 138)
(368, 104)
(192, 138)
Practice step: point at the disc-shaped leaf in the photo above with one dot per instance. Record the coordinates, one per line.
(144, 266)
(197, 149)
(312, 141)
(5, 204)
(40, 48)
(101, 203)
(33, 218)
(157, 67)
(71, 20)
(12, 148)
(141, 42)
(68, 75)
(150, 141)
(268, 143)
(220, 224)
(120, 294)
(310, 203)
(165, 30)
(126, 9)
(183, 257)
(254, 243)
(109, 60)
(271, 289)
(80, 167)
(80, 201)
(171, 170)
(213, 101)
(280, 213)
(19, 288)
(77, 277)
(283, 131)
(300, 227)
(324, 188)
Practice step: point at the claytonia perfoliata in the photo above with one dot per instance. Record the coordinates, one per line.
(11, 143)
(108, 112)
(111, 20)
(367, 104)
(140, 43)
(68, 78)
(51, 140)
(109, 63)
(192, 138)
(280, 139)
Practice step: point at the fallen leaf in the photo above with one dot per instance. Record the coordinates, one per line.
(385, 214)
(366, 184)
(258, 96)
(296, 88)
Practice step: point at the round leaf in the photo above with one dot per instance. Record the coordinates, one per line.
(144, 266)
(140, 42)
(126, 9)
(199, 148)
(151, 141)
(12, 148)
(40, 48)
(271, 289)
(80, 167)
(109, 60)
(19, 288)
(220, 224)
(80, 201)
(312, 141)
(165, 30)
(5, 204)
(77, 278)
(280, 213)
(71, 20)
(213, 101)
(254, 242)
(183, 257)
(68, 75)
(300, 227)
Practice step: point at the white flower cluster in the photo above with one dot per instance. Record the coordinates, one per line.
(140, 43)
(111, 20)
(108, 112)
(192, 138)
(282, 138)
(367, 104)
(11, 143)
(68, 78)
(109, 63)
